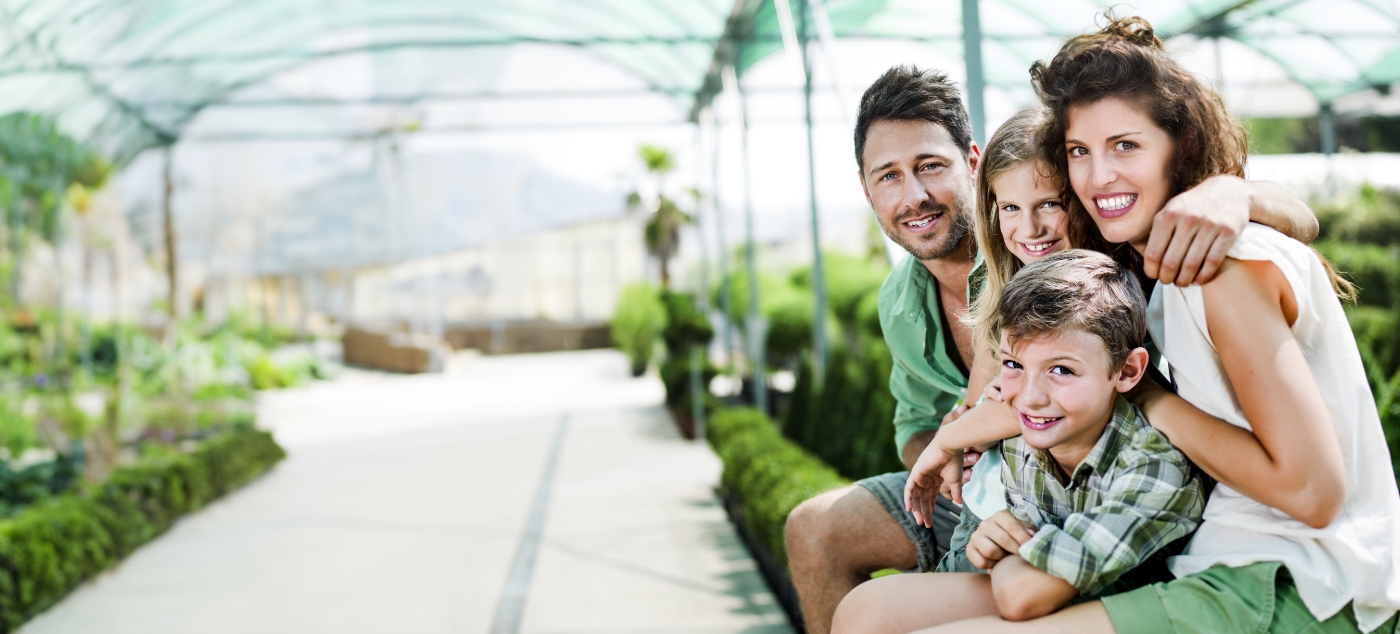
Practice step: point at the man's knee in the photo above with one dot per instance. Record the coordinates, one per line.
(809, 526)
(841, 525)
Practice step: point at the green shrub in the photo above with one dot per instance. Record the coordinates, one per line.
(768, 474)
(1368, 216)
(848, 422)
(848, 279)
(686, 325)
(1375, 269)
(675, 376)
(51, 547)
(868, 316)
(637, 322)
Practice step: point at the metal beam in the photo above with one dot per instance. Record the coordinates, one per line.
(976, 80)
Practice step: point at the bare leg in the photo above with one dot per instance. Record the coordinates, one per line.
(834, 541)
(1085, 618)
(903, 603)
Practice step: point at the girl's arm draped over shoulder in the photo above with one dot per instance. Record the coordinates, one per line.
(1292, 461)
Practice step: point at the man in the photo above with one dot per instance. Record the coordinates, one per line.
(917, 164)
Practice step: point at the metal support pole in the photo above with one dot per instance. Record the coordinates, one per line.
(168, 223)
(1329, 132)
(698, 389)
(755, 327)
(721, 244)
(819, 344)
(976, 81)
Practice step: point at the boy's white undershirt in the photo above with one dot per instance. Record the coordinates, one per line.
(985, 494)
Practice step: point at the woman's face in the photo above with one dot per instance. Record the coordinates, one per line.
(1119, 167)
(1029, 212)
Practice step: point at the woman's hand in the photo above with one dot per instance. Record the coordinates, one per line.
(995, 538)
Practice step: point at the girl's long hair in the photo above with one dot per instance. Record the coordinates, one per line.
(1126, 60)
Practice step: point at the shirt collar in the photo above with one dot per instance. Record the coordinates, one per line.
(1115, 435)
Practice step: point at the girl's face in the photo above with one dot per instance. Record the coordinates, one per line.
(1029, 212)
(1119, 167)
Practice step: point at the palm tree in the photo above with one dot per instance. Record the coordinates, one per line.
(662, 232)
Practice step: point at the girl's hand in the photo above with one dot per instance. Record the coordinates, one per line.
(996, 537)
(1194, 231)
(934, 467)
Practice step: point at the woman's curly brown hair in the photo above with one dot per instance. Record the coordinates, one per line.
(1125, 60)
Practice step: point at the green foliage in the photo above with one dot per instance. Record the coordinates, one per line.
(849, 279)
(1368, 215)
(638, 320)
(686, 325)
(38, 167)
(848, 423)
(787, 307)
(49, 548)
(657, 159)
(22, 487)
(768, 474)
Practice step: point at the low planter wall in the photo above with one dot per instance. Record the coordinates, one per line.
(49, 548)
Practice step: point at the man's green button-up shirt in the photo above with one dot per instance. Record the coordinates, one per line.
(926, 383)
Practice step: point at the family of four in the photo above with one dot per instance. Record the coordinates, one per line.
(1167, 424)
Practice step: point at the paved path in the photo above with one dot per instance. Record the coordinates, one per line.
(407, 505)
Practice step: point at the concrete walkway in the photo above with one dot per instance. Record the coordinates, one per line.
(536, 493)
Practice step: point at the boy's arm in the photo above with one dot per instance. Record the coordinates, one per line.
(1023, 592)
(1153, 500)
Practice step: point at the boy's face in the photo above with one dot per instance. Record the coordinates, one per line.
(1063, 387)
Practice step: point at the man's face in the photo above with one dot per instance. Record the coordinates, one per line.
(920, 185)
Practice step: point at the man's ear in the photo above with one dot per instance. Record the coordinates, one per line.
(1134, 368)
(860, 174)
(974, 156)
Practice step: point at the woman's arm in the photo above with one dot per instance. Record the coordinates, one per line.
(1292, 461)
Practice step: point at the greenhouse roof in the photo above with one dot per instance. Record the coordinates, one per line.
(132, 74)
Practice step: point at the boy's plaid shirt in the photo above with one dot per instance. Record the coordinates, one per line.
(1132, 495)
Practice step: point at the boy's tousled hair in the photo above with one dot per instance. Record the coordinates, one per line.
(1076, 289)
(905, 93)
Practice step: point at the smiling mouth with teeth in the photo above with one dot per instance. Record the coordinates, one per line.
(920, 224)
(1039, 248)
(1039, 422)
(1116, 202)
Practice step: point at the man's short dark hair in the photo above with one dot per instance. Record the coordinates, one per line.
(1076, 289)
(905, 93)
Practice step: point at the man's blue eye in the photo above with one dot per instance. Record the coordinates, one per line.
(887, 176)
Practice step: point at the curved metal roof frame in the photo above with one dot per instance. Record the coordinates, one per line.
(155, 64)
(1371, 50)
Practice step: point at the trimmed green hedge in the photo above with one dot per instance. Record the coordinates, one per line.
(49, 548)
(768, 474)
(847, 423)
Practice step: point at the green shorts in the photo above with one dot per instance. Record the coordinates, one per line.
(1257, 598)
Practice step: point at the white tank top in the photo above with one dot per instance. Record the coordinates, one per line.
(1354, 558)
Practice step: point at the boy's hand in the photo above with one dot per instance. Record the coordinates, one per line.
(998, 536)
(934, 466)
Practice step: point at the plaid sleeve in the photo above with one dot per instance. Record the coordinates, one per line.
(1153, 499)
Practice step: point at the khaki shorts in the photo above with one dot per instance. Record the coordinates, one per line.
(1257, 598)
(930, 543)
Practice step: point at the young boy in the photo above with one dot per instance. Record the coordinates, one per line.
(1095, 495)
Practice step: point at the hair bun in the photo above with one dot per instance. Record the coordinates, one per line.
(1135, 29)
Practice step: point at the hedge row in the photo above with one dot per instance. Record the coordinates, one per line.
(768, 474)
(48, 549)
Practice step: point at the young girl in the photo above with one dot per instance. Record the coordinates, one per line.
(1301, 533)
(1019, 219)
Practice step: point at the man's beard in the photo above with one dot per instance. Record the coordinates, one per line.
(926, 247)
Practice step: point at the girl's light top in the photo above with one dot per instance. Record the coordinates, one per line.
(1354, 558)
